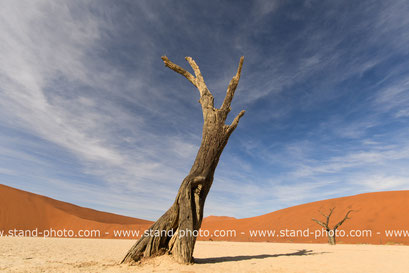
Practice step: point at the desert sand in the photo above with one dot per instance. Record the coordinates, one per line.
(376, 212)
(103, 255)
(373, 211)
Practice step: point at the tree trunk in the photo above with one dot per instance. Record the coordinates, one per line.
(331, 238)
(175, 231)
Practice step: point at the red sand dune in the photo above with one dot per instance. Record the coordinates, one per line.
(23, 210)
(213, 218)
(376, 212)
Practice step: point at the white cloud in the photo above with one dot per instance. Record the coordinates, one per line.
(7, 171)
(394, 98)
(382, 182)
(265, 7)
(47, 68)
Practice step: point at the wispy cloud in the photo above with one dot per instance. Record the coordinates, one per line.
(52, 87)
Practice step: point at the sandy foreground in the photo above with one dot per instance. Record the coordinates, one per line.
(103, 255)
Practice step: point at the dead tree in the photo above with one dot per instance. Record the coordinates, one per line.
(331, 232)
(174, 231)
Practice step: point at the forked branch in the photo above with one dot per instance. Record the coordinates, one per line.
(206, 98)
(321, 224)
(328, 216)
(179, 70)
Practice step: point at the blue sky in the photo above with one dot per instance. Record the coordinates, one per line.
(90, 115)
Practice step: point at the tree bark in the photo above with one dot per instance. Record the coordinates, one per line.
(174, 231)
(331, 238)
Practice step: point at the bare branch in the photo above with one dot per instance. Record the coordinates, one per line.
(321, 223)
(200, 83)
(206, 97)
(179, 70)
(328, 216)
(235, 122)
(232, 88)
(343, 220)
(323, 214)
(195, 68)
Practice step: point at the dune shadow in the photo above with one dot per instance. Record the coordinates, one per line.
(302, 252)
